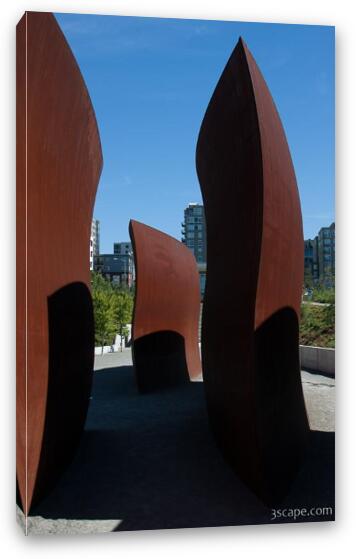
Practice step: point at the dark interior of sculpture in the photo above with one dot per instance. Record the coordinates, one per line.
(279, 400)
(59, 163)
(251, 366)
(71, 333)
(166, 316)
(161, 358)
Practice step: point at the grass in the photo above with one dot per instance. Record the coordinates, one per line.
(317, 325)
(324, 295)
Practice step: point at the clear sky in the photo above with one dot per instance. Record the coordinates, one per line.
(150, 81)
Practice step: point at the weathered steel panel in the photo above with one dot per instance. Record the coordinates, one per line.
(59, 162)
(254, 283)
(167, 307)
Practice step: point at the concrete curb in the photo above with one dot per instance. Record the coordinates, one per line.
(320, 359)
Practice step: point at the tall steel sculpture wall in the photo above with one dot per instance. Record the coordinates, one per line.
(254, 283)
(167, 307)
(58, 167)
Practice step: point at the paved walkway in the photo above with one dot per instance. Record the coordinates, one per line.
(150, 462)
(319, 390)
(319, 395)
(316, 304)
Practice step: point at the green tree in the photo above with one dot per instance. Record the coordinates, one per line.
(308, 278)
(99, 283)
(104, 310)
(113, 307)
(123, 311)
(104, 316)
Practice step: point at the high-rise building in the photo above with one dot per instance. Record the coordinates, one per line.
(123, 248)
(311, 261)
(194, 231)
(326, 254)
(94, 249)
(194, 237)
(319, 257)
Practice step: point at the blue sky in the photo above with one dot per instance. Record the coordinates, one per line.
(150, 81)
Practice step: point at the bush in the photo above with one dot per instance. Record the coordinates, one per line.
(317, 325)
(324, 295)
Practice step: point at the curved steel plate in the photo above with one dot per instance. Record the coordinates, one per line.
(58, 167)
(254, 281)
(167, 306)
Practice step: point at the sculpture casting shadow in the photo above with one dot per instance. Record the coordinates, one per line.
(254, 225)
(58, 165)
(165, 346)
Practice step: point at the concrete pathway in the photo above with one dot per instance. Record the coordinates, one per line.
(150, 462)
(319, 395)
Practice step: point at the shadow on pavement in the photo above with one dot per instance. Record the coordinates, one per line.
(150, 462)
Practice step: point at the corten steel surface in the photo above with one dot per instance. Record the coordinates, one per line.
(250, 325)
(58, 167)
(167, 306)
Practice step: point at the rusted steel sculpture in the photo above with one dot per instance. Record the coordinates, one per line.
(167, 307)
(59, 162)
(254, 283)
